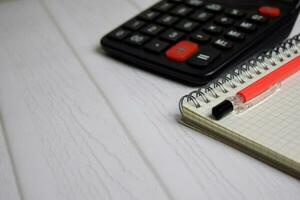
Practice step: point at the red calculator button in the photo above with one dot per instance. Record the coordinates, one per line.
(269, 11)
(182, 51)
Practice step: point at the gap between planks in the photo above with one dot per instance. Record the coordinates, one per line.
(14, 184)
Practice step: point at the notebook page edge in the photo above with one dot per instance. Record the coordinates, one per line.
(208, 127)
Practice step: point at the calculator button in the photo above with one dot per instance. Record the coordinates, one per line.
(224, 21)
(167, 20)
(163, 6)
(194, 3)
(202, 16)
(213, 7)
(235, 35)
(204, 58)
(172, 35)
(235, 13)
(182, 51)
(176, 1)
(119, 34)
(269, 11)
(137, 39)
(257, 18)
(246, 26)
(213, 29)
(157, 46)
(152, 29)
(187, 25)
(149, 15)
(200, 37)
(181, 11)
(134, 24)
(222, 44)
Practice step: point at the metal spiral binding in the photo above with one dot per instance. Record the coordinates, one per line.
(249, 70)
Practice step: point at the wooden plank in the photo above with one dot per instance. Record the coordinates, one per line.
(296, 29)
(141, 5)
(192, 166)
(66, 141)
(8, 183)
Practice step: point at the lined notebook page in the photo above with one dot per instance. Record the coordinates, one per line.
(274, 124)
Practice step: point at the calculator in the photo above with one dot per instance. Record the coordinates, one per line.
(193, 41)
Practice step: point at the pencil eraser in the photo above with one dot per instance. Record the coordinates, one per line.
(222, 109)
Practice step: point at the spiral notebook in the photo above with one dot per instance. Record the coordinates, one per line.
(270, 131)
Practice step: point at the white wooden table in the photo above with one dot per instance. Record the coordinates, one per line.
(79, 125)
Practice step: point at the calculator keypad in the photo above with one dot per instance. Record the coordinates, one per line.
(200, 37)
(204, 58)
(235, 13)
(167, 20)
(223, 44)
(149, 15)
(181, 11)
(191, 35)
(269, 11)
(213, 29)
(119, 34)
(224, 21)
(187, 25)
(137, 39)
(194, 3)
(216, 8)
(258, 18)
(246, 26)
(157, 46)
(182, 51)
(152, 29)
(234, 35)
(201, 16)
(163, 6)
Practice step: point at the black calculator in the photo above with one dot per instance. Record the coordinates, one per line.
(195, 40)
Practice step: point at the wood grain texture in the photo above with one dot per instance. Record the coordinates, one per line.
(192, 166)
(65, 141)
(8, 183)
(71, 142)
